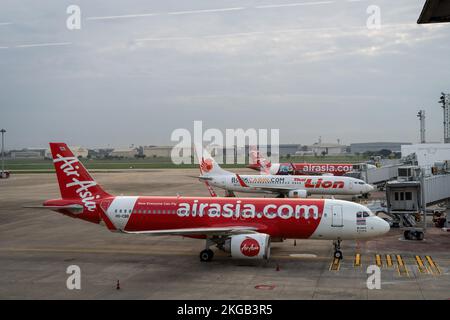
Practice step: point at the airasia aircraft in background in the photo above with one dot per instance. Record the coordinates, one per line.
(266, 167)
(283, 186)
(242, 227)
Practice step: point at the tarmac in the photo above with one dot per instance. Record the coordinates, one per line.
(37, 247)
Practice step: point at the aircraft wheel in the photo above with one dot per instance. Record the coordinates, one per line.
(338, 255)
(206, 255)
(407, 235)
(420, 235)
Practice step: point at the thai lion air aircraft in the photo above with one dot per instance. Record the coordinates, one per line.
(243, 227)
(284, 186)
(288, 168)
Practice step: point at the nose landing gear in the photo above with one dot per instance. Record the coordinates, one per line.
(337, 250)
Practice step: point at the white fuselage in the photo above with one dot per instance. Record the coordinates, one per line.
(322, 185)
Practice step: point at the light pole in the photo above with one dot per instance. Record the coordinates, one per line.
(3, 151)
(421, 116)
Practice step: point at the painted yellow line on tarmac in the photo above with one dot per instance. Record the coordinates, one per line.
(335, 265)
(389, 260)
(378, 260)
(435, 270)
(420, 265)
(357, 262)
(402, 269)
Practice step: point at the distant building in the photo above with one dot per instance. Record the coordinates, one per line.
(427, 154)
(376, 146)
(288, 149)
(78, 152)
(327, 149)
(99, 153)
(154, 151)
(27, 154)
(124, 153)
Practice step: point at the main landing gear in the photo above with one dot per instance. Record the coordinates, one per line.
(207, 254)
(229, 194)
(337, 250)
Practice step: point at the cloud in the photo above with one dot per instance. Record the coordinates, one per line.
(308, 70)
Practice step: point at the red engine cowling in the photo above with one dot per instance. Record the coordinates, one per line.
(249, 246)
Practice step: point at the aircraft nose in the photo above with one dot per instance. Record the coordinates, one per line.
(369, 187)
(382, 226)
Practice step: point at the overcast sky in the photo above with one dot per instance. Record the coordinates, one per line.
(137, 70)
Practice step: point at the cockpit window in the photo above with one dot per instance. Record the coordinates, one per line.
(359, 214)
(366, 214)
(361, 182)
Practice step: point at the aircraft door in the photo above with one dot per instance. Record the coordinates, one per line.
(337, 219)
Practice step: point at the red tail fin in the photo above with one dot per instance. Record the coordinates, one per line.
(73, 178)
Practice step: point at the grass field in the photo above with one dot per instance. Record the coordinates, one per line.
(37, 165)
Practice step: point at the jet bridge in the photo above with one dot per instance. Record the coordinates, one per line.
(376, 176)
(408, 197)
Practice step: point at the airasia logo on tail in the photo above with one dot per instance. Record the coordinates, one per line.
(250, 247)
(70, 168)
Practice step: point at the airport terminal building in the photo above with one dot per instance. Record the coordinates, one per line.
(377, 146)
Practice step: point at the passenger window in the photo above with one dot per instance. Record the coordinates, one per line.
(120, 211)
(115, 211)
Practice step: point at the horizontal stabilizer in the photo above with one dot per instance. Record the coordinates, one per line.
(75, 208)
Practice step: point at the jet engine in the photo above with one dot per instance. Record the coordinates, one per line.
(248, 246)
(301, 193)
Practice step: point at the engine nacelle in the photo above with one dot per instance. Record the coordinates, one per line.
(301, 193)
(249, 246)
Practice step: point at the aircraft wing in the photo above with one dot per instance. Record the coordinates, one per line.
(279, 190)
(213, 231)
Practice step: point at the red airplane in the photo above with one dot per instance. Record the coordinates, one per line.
(266, 167)
(242, 227)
